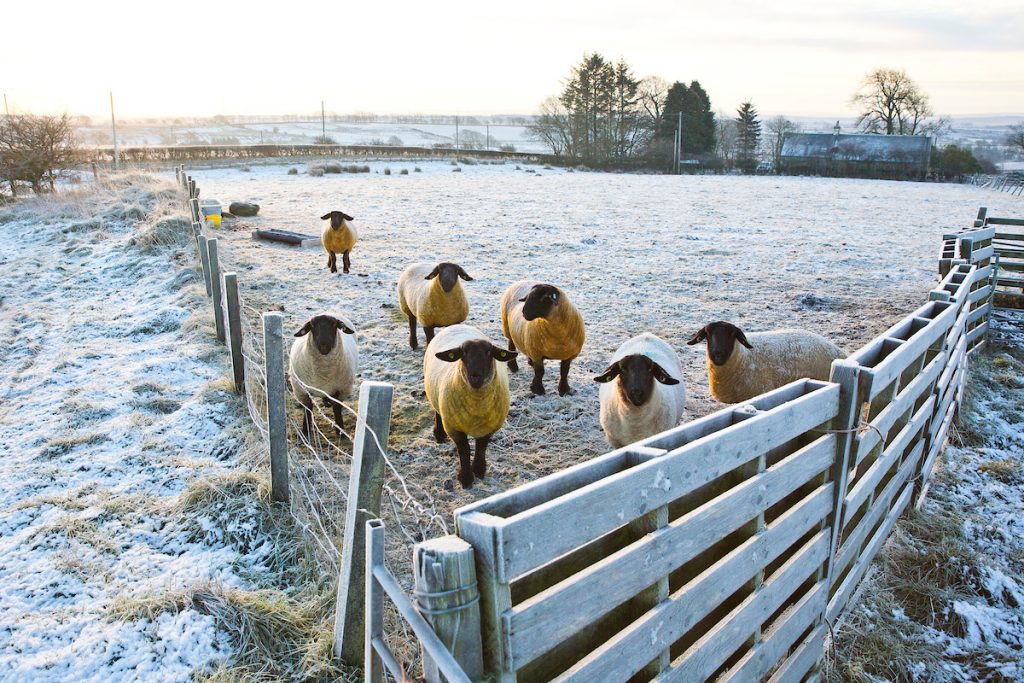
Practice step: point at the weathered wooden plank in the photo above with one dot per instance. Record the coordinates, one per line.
(981, 254)
(867, 481)
(854, 539)
(977, 333)
(783, 634)
(483, 532)
(849, 584)
(535, 626)
(628, 651)
(938, 442)
(1005, 221)
(978, 234)
(884, 421)
(978, 295)
(893, 365)
(712, 650)
(802, 660)
(539, 535)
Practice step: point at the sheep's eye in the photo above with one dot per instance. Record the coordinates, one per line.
(554, 297)
(451, 355)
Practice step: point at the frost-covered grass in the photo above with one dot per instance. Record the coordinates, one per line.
(136, 541)
(945, 601)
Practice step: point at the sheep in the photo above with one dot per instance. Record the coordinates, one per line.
(539, 320)
(338, 237)
(432, 295)
(763, 361)
(648, 397)
(467, 387)
(324, 361)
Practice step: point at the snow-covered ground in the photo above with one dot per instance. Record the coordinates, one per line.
(664, 254)
(105, 419)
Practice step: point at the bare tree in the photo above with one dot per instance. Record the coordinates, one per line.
(890, 102)
(553, 127)
(1016, 137)
(777, 128)
(651, 96)
(36, 149)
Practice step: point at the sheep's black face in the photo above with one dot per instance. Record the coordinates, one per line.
(337, 218)
(448, 274)
(721, 338)
(477, 356)
(539, 303)
(324, 329)
(637, 374)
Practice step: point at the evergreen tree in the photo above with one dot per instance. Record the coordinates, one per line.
(748, 134)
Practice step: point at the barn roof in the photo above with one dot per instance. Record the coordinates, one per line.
(901, 149)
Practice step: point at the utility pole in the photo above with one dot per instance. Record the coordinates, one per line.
(679, 146)
(323, 124)
(456, 133)
(7, 112)
(487, 143)
(113, 127)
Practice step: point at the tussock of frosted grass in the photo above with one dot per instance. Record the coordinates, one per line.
(107, 412)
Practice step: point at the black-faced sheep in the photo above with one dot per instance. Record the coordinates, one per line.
(743, 366)
(433, 296)
(641, 392)
(539, 320)
(338, 237)
(466, 383)
(324, 361)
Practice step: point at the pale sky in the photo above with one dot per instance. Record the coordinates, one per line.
(794, 57)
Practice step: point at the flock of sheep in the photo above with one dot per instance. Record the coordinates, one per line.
(465, 375)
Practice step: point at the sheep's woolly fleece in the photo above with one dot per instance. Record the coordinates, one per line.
(104, 421)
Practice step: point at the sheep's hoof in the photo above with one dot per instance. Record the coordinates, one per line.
(466, 479)
(333, 269)
(537, 389)
(480, 468)
(513, 366)
(413, 344)
(345, 271)
(440, 435)
(564, 390)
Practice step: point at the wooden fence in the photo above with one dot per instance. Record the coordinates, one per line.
(724, 548)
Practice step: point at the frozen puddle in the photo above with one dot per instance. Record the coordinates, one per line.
(106, 415)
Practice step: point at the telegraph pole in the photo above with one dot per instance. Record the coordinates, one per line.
(7, 112)
(487, 143)
(679, 144)
(323, 124)
(113, 127)
(456, 133)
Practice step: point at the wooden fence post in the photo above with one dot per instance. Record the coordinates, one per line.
(846, 374)
(218, 298)
(234, 330)
(197, 232)
(193, 205)
(192, 191)
(448, 597)
(273, 342)
(364, 490)
(204, 258)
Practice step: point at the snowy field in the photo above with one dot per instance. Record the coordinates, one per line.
(662, 254)
(104, 423)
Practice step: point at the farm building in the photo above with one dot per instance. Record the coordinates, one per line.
(859, 155)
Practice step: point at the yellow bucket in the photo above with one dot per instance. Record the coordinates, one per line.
(215, 219)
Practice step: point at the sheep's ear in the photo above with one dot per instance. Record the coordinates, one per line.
(305, 329)
(432, 274)
(464, 275)
(449, 356)
(699, 337)
(343, 326)
(325, 217)
(523, 299)
(346, 216)
(610, 373)
(662, 376)
(742, 338)
(503, 355)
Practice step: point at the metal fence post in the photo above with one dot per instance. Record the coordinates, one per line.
(373, 669)
(364, 490)
(234, 330)
(273, 342)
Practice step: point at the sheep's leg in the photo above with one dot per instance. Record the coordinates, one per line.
(538, 376)
(465, 469)
(563, 381)
(332, 261)
(480, 458)
(513, 365)
(344, 261)
(339, 417)
(439, 432)
(413, 343)
(429, 332)
(307, 422)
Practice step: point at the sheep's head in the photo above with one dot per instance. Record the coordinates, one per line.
(337, 218)
(540, 301)
(447, 274)
(636, 374)
(324, 330)
(478, 357)
(721, 338)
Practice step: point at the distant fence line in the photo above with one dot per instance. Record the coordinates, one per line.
(178, 153)
(1012, 183)
(725, 548)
